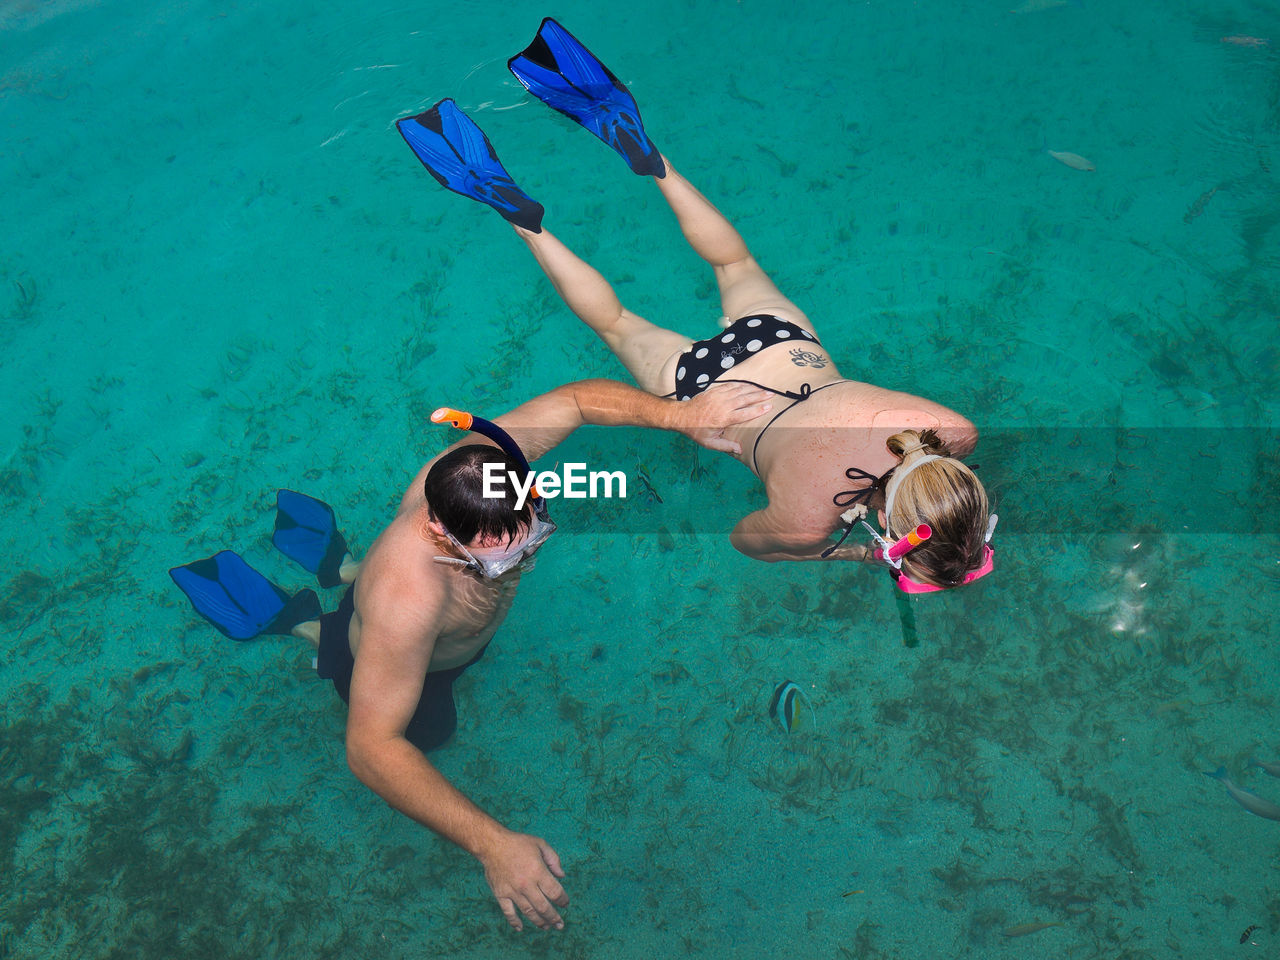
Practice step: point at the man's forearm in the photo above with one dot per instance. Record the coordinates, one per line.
(609, 403)
(545, 421)
(399, 773)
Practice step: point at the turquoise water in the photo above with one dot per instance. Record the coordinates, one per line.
(221, 272)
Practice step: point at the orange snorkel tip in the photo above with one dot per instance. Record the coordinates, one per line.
(459, 418)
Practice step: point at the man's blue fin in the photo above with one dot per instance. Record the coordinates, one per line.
(240, 601)
(562, 73)
(307, 532)
(457, 153)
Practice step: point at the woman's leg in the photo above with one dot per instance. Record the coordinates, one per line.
(644, 348)
(745, 289)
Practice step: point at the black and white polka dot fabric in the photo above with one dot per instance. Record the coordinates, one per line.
(707, 360)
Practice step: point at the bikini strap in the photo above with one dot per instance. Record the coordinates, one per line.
(862, 495)
(803, 393)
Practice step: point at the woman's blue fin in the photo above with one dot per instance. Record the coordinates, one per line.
(457, 153)
(566, 76)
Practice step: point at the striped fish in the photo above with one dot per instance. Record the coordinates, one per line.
(784, 708)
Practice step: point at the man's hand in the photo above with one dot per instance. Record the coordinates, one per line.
(521, 871)
(704, 418)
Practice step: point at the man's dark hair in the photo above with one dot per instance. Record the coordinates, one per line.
(455, 495)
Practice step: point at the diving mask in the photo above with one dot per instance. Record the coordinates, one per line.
(492, 562)
(893, 553)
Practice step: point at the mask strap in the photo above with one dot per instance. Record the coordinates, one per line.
(895, 484)
(457, 560)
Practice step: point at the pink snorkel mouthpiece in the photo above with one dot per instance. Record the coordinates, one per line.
(904, 546)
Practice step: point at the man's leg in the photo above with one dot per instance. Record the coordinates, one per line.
(310, 629)
(644, 348)
(745, 289)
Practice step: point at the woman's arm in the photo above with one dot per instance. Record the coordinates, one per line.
(760, 536)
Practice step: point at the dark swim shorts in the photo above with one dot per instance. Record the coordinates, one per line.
(707, 360)
(436, 717)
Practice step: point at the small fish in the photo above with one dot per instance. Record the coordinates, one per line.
(1072, 160)
(1270, 766)
(784, 706)
(1248, 931)
(1242, 41)
(1250, 801)
(1197, 208)
(852, 892)
(1023, 929)
(650, 491)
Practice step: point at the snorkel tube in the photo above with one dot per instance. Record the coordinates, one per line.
(897, 551)
(487, 428)
(893, 556)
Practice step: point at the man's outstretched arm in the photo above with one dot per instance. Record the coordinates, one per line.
(546, 421)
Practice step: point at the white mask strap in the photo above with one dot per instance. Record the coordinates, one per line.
(896, 481)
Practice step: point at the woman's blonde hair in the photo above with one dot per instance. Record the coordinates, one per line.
(947, 496)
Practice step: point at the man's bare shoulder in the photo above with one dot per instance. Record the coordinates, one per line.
(401, 594)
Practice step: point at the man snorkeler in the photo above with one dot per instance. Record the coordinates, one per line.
(428, 597)
(847, 446)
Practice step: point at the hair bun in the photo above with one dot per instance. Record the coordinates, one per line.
(910, 441)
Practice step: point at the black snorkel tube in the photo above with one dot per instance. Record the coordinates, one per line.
(487, 428)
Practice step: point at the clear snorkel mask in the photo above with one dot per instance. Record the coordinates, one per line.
(892, 553)
(493, 562)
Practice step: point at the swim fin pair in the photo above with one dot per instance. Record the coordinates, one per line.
(562, 73)
(244, 604)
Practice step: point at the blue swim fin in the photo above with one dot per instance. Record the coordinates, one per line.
(307, 532)
(565, 75)
(458, 154)
(240, 601)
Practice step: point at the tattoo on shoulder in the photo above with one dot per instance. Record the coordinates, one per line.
(807, 358)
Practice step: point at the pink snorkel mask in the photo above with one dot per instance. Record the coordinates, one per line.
(892, 553)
